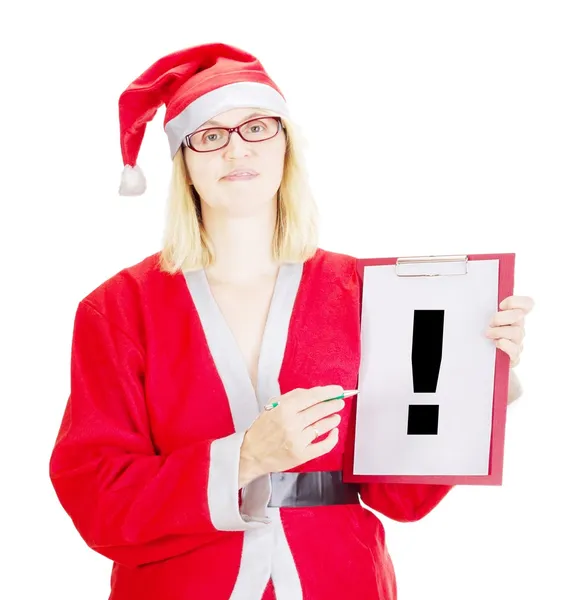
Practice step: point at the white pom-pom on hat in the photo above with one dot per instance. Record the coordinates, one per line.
(133, 182)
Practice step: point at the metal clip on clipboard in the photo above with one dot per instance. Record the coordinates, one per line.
(431, 266)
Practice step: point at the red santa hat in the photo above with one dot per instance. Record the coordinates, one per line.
(195, 84)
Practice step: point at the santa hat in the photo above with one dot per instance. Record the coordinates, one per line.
(195, 84)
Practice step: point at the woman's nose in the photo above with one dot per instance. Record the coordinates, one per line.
(236, 146)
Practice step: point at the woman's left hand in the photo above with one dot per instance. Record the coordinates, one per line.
(507, 327)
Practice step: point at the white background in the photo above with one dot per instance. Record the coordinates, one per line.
(434, 127)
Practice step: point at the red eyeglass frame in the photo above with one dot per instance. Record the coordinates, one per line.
(230, 130)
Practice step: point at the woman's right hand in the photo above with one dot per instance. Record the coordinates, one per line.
(284, 437)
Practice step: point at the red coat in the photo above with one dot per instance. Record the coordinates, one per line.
(146, 459)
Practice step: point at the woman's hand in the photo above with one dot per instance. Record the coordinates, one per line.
(285, 436)
(507, 327)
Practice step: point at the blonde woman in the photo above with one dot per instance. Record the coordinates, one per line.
(167, 460)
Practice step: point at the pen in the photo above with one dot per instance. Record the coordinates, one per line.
(345, 394)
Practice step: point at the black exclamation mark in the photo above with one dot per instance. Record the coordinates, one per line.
(426, 352)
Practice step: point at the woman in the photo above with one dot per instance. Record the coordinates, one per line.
(166, 460)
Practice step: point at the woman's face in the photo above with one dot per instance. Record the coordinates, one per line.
(259, 165)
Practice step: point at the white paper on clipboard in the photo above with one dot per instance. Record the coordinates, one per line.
(465, 385)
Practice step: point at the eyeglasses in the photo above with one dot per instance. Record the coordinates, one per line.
(216, 138)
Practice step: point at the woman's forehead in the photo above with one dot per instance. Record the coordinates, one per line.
(233, 117)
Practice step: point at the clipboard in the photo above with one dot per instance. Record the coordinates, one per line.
(426, 269)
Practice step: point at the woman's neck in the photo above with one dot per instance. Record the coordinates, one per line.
(242, 246)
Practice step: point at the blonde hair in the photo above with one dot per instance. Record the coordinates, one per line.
(186, 246)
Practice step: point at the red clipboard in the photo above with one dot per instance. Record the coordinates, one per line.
(500, 397)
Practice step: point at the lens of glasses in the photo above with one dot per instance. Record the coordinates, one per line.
(254, 130)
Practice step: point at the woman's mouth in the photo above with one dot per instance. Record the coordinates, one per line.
(240, 175)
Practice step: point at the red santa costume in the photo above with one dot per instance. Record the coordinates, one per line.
(146, 459)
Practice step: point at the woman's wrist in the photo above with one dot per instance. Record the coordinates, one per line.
(250, 467)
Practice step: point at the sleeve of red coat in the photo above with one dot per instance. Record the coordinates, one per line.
(404, 502)
(128, 502)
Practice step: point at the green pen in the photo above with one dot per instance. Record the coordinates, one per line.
(345, 394)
